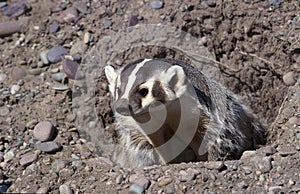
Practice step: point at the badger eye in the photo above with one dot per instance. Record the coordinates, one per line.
(143, 91)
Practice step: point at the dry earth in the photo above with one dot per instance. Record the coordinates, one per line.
(256, 45)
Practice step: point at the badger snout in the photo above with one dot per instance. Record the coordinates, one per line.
(123, 107)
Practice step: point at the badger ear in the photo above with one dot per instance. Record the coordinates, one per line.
(110, 74)
(175, 77)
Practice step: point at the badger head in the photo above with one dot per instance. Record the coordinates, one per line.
(143, 84)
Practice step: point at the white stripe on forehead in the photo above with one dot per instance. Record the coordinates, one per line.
(132, 78)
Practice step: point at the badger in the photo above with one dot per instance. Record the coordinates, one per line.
(168, 111)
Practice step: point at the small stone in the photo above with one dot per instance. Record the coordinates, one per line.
(275, 189)
(48, 147)
(106, 24)
(170, 190)
(54, 27)
(136, 189)
(286, 152)
(55, 54)
(59, 87)
(289, 78)
(86, 38)
(133, 20)
(36, 71)
(43, 131)
(68, 16)
(14, 89)
(11, 27)
(99, 161)
(8, 156)
(211, 3)
(247, 1)
(264, 164)
(296, 188)
(143, 182)
(81, 7)
(164, 181)
(42, 190)
(3, 4)
(65, 189)
(78, 48)
(15, 9)
(18, 73)
(156, 4)
(269, 150)
(3, 78)
(298, 136)
(4, 111)
(28, 159)
(70, 68)
(3, 188)
(119, 179)
(215, 165)
(248, 154)
(58, 76)
(186, 176)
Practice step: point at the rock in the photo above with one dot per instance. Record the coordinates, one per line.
(78, 48)
(55, 54)
(119, 179)
(14, 89)
(81, 7)
(65, 189)
(248, 155)
(4, 111)
(211, 3)
(43, 56)
(286, 152)
(70, 68)
(11, 27)
(275, 189)
(264, 164)
(36, 71)
(86, 38)
(106, 24)
(289, 78)
(42, 190)
(136, 189)
(215, 165)
(58, 76)
(8, 156)
(170, 190)
(18, 73)
(269, 150)
(156, 4)
(43, 131)
(68, 16)
(298, 136)
(33, 189)
(58, 165)
(142, 181)
(133, 20)
(99, 161)
(3, 4)
(164, 181)
(54, 27)
(186, 176)
(3, 78)
(59, 87)
(48, 147)
(15, 9)
(3, 188)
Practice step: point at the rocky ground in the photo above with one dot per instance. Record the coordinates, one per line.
(256, 45)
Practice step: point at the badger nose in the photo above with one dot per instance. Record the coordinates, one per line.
(122, 107)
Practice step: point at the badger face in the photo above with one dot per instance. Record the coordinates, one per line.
(143, 84)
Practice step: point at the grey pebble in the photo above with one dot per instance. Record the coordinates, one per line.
(3, 188)
(215, 165)
(75, 157)
(156, 4)
(68, 16)
(106, 24)
(48, 147)
(119, 179)
(298, 136)
(78, 48)
(54, 27)
(133, 20)
(28, 159)
(3, 4)
(264, 164)
(81, 7)
(58, 164)
(44, 131)
(15, 9)
(170, 190)
(14, 89)
(58, 76)
(289, 78)
(11, 27)
(36, 71)
(4, 111)
(211, 3)
(59, 87)
(164, 181)
(18, 73)
(275, 189)
(8, 156)
(3, 78)
(136, 189)
(55, 54)
(269, 150)
(65, 189)
(247, 1)
(142, 181)
(70, 68)
(186, 176)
